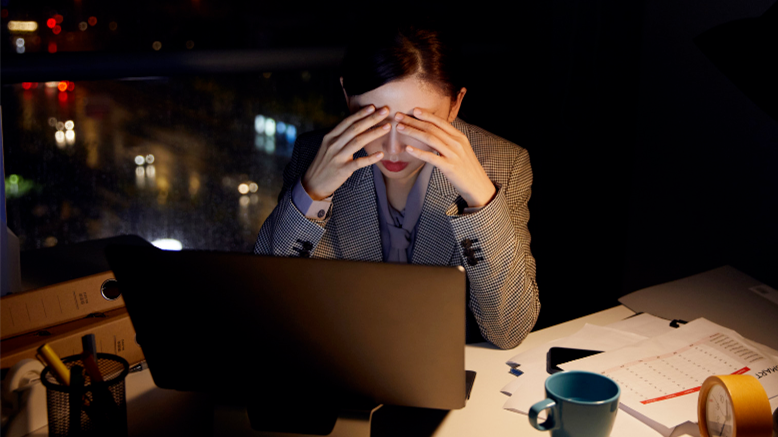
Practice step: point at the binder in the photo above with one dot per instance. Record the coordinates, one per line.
(113, 331)
(29, 311)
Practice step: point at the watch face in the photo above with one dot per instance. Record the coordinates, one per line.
(718, 412)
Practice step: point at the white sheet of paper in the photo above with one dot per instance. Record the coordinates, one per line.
(592, 337)
(660, 377)
(764, 348)
(533, 361)
(644, 324)
(529, 388)
(627, 425)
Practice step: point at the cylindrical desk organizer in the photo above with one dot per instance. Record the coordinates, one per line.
(93, 409)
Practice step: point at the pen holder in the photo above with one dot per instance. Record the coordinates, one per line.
(93, 409)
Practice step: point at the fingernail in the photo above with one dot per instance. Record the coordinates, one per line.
(410, 149)
(380, 155)
(398, 117)
(383, 111)
(370, 109)
(386, 126)
(400, 127)
(417, 112)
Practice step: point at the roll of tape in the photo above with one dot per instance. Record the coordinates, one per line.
(20, 375)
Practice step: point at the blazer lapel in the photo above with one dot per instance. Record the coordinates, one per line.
(356, 227)
(434, 239)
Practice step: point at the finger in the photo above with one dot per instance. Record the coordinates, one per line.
(426, 138)
(420, 125)
(359, 127)
(362, 140)
(348, 121)
(441, 123)
(437, 161)
(365, 161)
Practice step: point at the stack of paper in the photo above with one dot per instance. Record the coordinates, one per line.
(659, 368)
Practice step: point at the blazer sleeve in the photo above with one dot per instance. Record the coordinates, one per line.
(287, 231)
(495, 247)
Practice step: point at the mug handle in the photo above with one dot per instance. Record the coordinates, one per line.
(550, 423)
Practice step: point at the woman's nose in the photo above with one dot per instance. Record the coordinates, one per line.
(393, 144)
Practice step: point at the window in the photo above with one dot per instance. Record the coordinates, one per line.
(196, 158)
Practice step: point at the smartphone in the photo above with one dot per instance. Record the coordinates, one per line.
(559, 355)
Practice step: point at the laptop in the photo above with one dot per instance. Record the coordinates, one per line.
(290, 331)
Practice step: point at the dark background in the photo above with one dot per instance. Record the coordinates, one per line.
(649, 163)
(658, 166)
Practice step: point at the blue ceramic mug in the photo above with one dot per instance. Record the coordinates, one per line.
(580, 404)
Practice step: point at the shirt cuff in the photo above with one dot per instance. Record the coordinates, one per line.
(470, 210)
(312, 209)
(474, 209)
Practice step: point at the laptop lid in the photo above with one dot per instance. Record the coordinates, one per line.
(248, 326)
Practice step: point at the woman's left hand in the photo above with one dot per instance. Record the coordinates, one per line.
(456, 161)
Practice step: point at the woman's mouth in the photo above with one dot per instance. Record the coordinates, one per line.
(394, 166)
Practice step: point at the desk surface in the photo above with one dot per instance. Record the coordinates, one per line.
(152, 411)
(483, 412)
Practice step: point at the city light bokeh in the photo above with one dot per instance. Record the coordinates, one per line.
(199, 158)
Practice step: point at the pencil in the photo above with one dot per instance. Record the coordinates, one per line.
(58, 368)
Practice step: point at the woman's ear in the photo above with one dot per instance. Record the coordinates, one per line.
(456, 105)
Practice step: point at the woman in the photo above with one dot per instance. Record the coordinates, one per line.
(402, 179)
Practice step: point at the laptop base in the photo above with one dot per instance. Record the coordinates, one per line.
(235, 421)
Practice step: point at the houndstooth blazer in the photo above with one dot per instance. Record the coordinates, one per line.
(491, 244)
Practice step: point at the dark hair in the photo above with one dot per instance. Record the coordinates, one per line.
(393, 52)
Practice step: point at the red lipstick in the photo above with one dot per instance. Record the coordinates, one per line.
(394, 166)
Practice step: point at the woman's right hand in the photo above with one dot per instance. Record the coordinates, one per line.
(334, 162)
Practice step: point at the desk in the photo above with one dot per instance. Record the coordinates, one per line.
(484, 415)
(156, 412)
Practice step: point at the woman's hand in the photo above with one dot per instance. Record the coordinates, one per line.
(334, 162)
(456, 161)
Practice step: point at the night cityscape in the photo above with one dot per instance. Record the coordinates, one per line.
(196, 159)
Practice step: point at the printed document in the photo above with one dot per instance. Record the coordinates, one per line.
(660, 377)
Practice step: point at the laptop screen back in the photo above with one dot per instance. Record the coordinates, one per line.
(248, 326)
